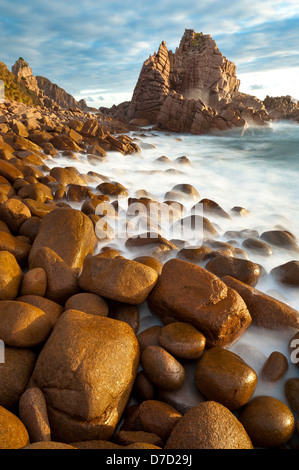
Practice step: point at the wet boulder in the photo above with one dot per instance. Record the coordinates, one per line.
(188, 293)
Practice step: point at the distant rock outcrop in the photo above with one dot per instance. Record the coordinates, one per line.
(45, 92)
(59, 95)
(25, 75)
(15, 89)
(282, 107)
(195, 89)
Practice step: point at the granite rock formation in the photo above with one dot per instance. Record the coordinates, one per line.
(282, 107)
(194, 89)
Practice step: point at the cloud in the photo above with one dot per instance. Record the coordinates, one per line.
(91, 45)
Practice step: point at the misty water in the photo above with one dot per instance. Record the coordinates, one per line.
(256, 169)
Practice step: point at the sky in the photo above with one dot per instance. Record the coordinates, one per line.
(95, 49)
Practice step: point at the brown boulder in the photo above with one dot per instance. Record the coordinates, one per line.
(125, 312)
(62, 281)
(265, 311)
(15, 246)
(23, 325)
(291, 389)
(33, 414)
(257, 246)
(15, 373)
(88, 303)
(188, 293)
(13, 434)
(34, 282)
(209, 425)
(287, 273)
(149, 337)
(244, 270)
(156, 417)
(86, 371)
(66, 176)
(150, 261)
(118, 279)
(194, 254)
(9, 171)
(223, 376)
(162, 368)
(10, 276)
(268, 421)
(14, 213)
(51, 309)
(37, 191)
(182, 340)
(67, 232)
(275, 367)
(281, 239)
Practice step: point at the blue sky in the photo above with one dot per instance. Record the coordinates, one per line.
(95, 49)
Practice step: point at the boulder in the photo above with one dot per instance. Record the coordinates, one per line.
(69, 233)
(182, 340)
(33, 414)
(188, 293)
(118, 279)
(17, 247)
(265, 311)
(156, 417)
(62, 281)
(223, 376)
(10, 276)
(15, 373)
(209, 425)
(9, 171)
(287, 273)
(34, 282)
(13, 434)
(51, 309)
(244, 270)
(86, 371)
(268, 421)
(275, 367)
(162, 368)
(88, 303)
(14, 213)
(23, 325)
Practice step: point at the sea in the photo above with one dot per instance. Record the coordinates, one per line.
(256, 168)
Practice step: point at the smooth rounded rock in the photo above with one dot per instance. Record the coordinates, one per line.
(34, 282)
(118, 279)
(33, 413)
(291, 389)
(10, 276)
(88, 303)
(243, 270)
(162, 368)
(223, 376)
(15, 373)
(13, 434)
(209, 425)
(268, 421)
(23, 325)
(275, 367)
(86, 371)
(182, 340)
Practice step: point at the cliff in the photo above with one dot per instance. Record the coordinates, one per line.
(194, 89)
(59, 95)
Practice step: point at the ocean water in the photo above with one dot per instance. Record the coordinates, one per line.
(257, 169)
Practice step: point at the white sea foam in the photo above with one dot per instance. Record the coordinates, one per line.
(257, 170)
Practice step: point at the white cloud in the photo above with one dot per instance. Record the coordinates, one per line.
(277, 82)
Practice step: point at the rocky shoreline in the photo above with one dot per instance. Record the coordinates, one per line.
(77, 371)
